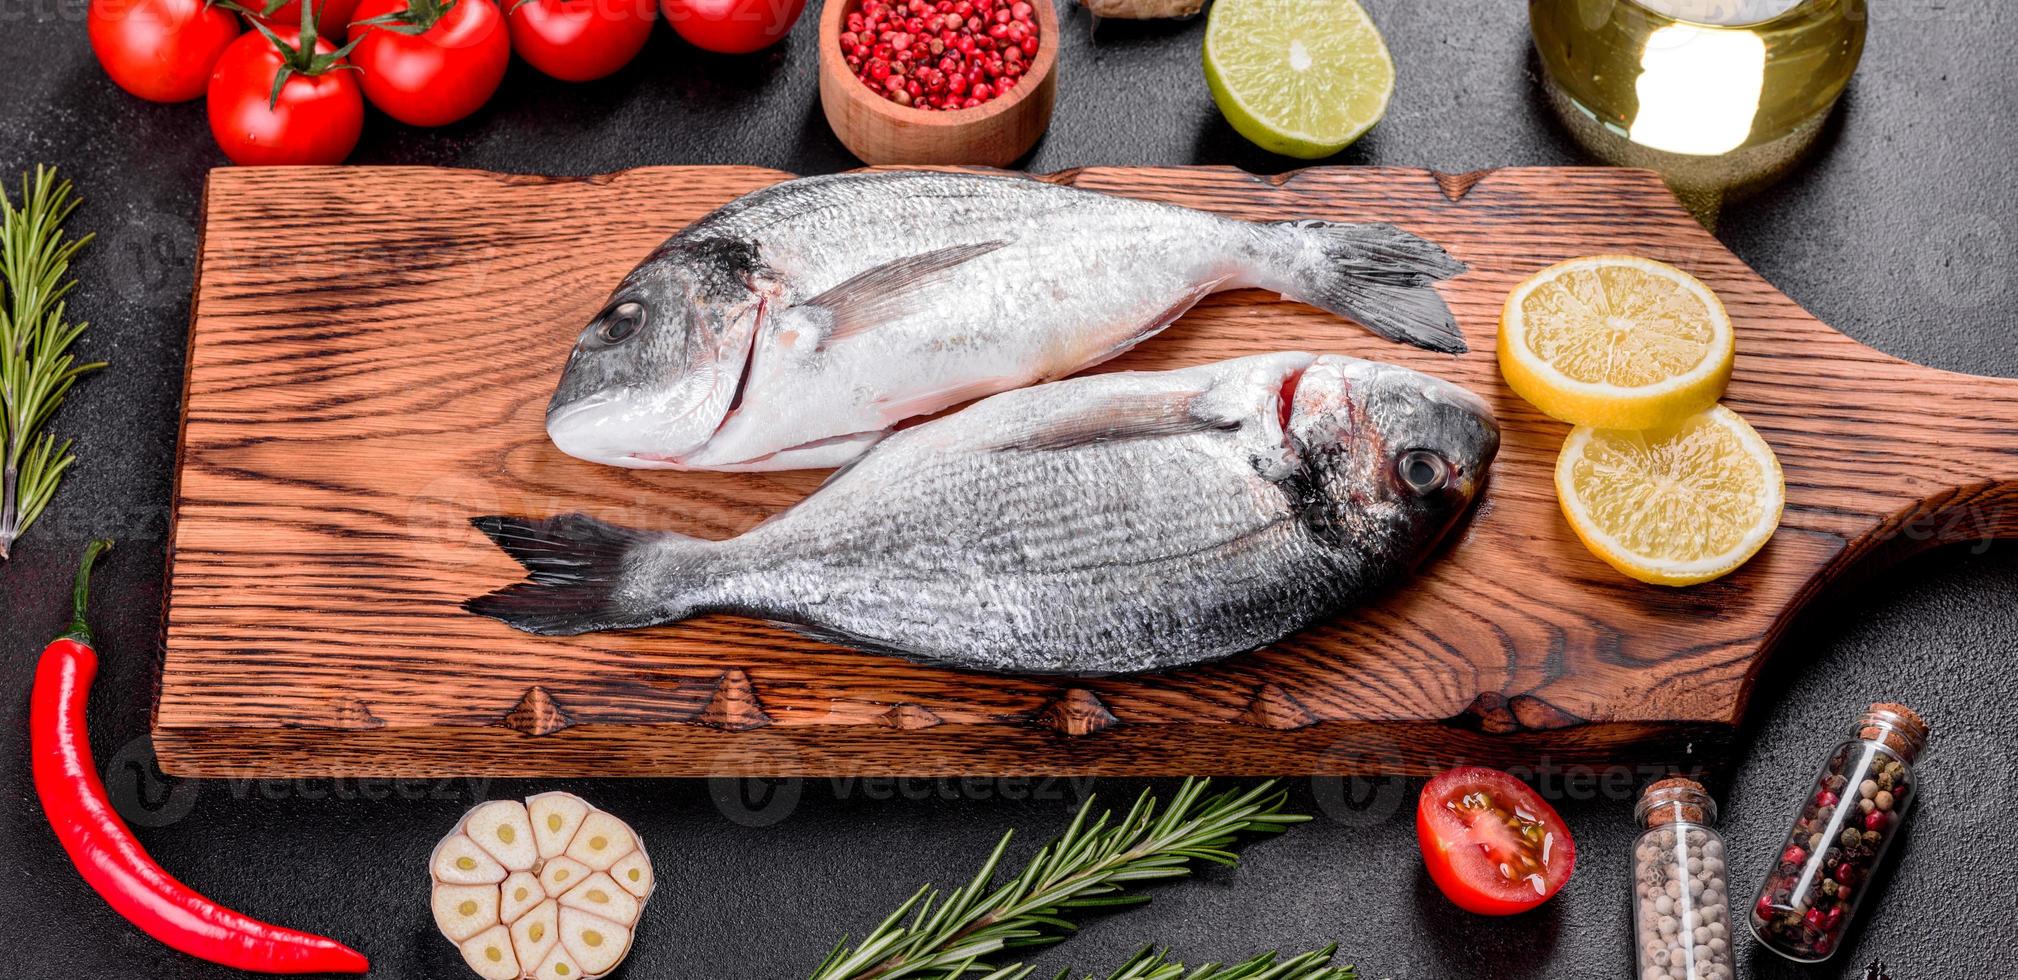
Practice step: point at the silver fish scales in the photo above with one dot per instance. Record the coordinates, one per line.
(797, 325)
(1107, 524)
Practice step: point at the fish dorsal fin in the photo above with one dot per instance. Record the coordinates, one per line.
(1133, 416)
(886, 292)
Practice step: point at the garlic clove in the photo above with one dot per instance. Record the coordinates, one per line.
(601, 896)
(490, 954)
(596, 943)
(521, 892)
(459, 861)
(462, 911)
(555, 817)
(536, 932)
(633, 874)
(558, 965)
(601, 840)
(502, 828)
(562, 874)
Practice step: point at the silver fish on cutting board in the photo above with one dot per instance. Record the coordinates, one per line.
(795, 326)
(1105, 524)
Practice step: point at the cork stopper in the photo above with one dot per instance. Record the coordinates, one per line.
(1896, 727)
(1675, 799)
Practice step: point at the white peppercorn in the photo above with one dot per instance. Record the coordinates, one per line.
(1681, 912)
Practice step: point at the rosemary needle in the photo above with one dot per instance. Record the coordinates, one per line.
(36, 370)
(1151, 964)
(1086, 868)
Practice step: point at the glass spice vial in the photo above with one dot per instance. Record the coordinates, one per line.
(1681, 900)
(1853, 810)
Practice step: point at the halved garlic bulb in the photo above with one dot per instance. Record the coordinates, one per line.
(548, 889)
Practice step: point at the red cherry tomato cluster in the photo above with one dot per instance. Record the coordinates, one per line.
(292, 90)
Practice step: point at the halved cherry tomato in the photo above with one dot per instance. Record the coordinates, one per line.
(332, 17)
(732, 26)
(160, 50)
(444, 71)
(580, 40)
(315, 117)
(1490, 842)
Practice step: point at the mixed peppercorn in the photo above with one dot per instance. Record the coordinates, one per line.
(1838, 838)
(944, 55)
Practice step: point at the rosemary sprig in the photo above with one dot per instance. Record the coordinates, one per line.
(36, 370)
(1085, 869)
(1153, 964)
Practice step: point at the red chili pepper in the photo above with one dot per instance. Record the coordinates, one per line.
(105, 852)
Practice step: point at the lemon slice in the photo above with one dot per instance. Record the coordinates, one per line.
(1303, 78)
(1676, 505)
(1616, 341)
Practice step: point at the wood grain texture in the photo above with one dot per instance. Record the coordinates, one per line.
(369, 365)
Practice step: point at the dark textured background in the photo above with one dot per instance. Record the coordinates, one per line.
(1900, 233)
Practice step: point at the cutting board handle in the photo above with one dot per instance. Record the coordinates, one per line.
(1929, 457)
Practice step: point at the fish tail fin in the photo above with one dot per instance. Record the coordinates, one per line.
(1375, 274)
(580, 576)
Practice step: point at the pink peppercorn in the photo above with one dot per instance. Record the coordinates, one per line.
(940, 54)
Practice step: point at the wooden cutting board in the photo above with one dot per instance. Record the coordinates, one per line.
(371, 354)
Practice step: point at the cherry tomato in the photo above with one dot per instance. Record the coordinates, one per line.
(440, 75)
(580, 40)
(732, 26)
(160, 50)
(316, 119)
(332, 17)
(1493, 845)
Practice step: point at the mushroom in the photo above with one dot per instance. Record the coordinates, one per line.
(551, 888)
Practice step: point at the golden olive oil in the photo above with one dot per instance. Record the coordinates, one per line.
(1722, 97)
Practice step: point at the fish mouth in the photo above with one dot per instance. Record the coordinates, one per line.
(819, 454)
(561, 414)
(641, 428)
(579, 428)
(598, 427)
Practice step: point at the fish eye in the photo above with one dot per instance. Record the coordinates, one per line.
(620, 323)
(1422, 471)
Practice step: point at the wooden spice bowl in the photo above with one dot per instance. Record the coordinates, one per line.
(994, 133)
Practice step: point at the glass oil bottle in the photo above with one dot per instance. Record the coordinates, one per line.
(1720, 96)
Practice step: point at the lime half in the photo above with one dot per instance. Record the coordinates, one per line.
(1303, 78)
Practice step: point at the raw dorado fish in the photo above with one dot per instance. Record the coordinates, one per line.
(1114, 523)
(795, 326)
